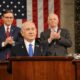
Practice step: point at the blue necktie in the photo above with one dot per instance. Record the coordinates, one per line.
(30, 50)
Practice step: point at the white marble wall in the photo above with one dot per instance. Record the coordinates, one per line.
(67, 19)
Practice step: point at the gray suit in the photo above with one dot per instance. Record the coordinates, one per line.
(56, 47)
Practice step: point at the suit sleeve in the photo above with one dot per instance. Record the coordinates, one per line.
(65, 39)
(44, 39)
(13, 51)
(44, 42)
(17, 37)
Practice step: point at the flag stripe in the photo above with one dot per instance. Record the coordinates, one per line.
(51, 6)
(35, 14)
(23, 20)
(29, 10)
(14, 22)
(19, 22)
(45, 13)
(40, 17)
(57, 8)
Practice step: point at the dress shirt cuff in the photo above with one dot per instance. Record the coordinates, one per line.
(13, 44)
(49, 40)
(3, 44)
(60, 38)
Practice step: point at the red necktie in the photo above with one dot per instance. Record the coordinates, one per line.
(7, 35)
(7, 32)
(8, 55)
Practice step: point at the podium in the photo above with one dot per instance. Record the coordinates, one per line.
(43, 68)
(77, 68)
(4, 75)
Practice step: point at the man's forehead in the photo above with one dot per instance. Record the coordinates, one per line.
(52, 16)
(28, 25)
(8, 14)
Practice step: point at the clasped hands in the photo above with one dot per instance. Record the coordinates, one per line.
(9, 40)
(54, 35)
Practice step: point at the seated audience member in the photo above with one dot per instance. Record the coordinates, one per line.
(9, 34)
(55, 40)
(30, 45)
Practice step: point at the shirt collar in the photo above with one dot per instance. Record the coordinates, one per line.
(27, 43)
(6, 27)
(54, 29)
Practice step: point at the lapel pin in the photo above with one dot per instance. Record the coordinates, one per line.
(37, 45)
(22, 47)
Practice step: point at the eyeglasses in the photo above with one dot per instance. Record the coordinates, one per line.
(8, 17)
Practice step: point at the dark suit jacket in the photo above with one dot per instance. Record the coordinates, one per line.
(20, 50)
(56, 47)
(15, 33)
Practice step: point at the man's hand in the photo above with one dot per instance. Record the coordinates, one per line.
(9, 40)
(54, 35)
(57, 35)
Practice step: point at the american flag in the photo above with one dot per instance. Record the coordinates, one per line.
(34, 10)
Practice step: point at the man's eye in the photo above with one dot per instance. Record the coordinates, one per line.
(27, 29)
(32, 29)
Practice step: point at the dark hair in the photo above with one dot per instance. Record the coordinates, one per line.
(7, 11)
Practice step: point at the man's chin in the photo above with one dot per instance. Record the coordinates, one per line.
(31, 39)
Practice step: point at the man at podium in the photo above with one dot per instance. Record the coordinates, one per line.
(30, 45)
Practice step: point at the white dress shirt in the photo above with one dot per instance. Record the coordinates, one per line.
(6, 27)
(55, 29)
(27, 44)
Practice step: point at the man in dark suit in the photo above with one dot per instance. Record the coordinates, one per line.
(28, 32)
(9, 35)
(55, 40)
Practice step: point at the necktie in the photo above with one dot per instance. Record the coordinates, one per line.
(30, 50)
(7, 35)
(7, 32)
(7, 55)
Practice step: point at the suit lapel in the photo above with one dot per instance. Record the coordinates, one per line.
(58, 29)
(3, 33)
(12, 30)
(24, 50)
(36, 49)
(48, 33)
